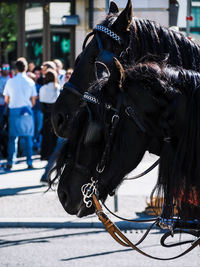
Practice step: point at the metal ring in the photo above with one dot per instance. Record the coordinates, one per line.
(115, 117)
(100, 170)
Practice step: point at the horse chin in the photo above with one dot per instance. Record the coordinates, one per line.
(84, 211)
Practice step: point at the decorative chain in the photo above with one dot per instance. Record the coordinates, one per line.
(107, 31)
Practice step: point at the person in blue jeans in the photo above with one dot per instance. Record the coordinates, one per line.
(3, 80)
(20, 94)
(37, 111)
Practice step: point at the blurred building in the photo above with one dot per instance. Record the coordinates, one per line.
(193, 16)
(56, 29)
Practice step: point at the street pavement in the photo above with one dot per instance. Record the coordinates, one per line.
(24, 201)
(63, 247)
(35, 231)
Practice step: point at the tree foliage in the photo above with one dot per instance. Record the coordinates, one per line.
(8, 29)
(8, 22)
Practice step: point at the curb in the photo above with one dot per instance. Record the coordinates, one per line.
(60, 223)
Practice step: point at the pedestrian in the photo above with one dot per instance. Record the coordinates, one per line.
(68, 74)
(20, 94)
(45, 66)
(47, 96)
(5, 69)
(31, 66)
(60, 71)
(37, 111)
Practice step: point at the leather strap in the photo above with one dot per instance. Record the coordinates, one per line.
(145, 172)
(115, 232)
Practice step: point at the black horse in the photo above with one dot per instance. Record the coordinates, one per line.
(150, 106)
(128, 39)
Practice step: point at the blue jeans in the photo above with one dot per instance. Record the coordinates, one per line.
(2, 109)
(38, 121)
(13, 145)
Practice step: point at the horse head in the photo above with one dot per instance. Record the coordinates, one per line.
(122, 117)
(99, 148)
(111, 38)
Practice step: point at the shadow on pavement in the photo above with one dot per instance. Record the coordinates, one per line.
(20, 170)
(14, 191)
(97, 254)
(44, 239)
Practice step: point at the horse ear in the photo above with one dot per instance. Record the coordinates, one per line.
(124, 20)
(101, 70)
(117, 74)
(113, 8)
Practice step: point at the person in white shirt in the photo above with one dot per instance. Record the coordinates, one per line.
(20, 95)
(47, 96)
(50, 91)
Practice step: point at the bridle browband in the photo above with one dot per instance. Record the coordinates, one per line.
(107, 31)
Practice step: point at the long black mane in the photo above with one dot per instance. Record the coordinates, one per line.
(149, 37)
(179, 171)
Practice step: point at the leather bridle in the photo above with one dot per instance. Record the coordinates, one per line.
(106, 57)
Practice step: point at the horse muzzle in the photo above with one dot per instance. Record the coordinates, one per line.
(77, 208)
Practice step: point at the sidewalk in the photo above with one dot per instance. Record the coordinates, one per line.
(24, 201)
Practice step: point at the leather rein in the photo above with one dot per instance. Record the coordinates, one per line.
(115, 232)
(90, 194)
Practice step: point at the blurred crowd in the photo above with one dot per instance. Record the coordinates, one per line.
(27, 94)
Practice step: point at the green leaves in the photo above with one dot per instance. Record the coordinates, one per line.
(8, 22)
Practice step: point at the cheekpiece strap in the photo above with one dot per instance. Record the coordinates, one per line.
(131, 112)
(107, 31)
